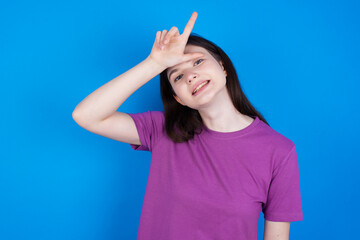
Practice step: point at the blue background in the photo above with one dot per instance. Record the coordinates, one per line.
(298, 63)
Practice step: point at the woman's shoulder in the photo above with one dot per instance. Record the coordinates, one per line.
(158, 115)
(149, 119)
(276, 138)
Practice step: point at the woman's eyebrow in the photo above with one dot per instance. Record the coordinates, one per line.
(172, 71)
(175, 70)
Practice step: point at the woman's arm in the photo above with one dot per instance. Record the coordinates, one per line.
(276, 230)
(168, 50)
(104, 101)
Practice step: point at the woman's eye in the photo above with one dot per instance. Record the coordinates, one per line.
(198, 61)
(177, 78)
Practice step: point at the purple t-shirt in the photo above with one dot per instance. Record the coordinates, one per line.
(215, 185)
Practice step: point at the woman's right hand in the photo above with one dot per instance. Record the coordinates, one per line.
(168, 48)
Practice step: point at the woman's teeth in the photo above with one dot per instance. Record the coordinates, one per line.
(200, 86)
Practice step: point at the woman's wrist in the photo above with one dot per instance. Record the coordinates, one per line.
(155, 64)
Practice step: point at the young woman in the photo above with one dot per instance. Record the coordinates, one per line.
(216, 163)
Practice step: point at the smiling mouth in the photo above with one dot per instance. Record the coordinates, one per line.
(200, 86)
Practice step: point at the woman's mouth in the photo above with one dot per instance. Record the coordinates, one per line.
(200, 88)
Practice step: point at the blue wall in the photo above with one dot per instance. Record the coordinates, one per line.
(298, 63)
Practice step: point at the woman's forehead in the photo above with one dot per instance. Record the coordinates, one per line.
(190, 49)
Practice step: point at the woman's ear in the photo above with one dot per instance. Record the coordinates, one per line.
(222, 65)
(178, 100)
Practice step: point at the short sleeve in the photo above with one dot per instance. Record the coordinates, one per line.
(150, 127)
(283, 202)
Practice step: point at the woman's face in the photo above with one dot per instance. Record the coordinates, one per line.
(189, 75)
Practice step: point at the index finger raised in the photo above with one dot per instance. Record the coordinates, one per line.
(189, 26)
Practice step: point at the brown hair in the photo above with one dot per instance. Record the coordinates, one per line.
(182, 122)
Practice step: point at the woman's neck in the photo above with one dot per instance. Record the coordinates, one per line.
(223, 116)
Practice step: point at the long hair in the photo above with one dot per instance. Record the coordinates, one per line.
(182, 122)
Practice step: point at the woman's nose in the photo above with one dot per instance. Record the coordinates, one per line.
(191, 77)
